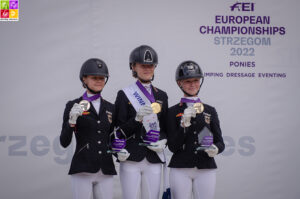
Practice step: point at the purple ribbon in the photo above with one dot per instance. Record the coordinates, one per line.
(146, 93)
(118, 144)
(151, 136)
(185, 100)
(92, 98)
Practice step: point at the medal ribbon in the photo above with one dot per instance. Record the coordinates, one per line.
(92, 98)
(145, 92)
(185, 100)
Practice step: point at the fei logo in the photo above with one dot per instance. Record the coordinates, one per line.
(9, 10)
(242, 7)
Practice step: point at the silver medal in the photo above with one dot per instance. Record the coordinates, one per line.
(85, 105)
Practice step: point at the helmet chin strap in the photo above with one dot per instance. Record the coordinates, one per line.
(146, 81)
(135, 74)
(92, 91)
(189, 95)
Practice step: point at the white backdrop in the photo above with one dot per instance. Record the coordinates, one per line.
(41, 56)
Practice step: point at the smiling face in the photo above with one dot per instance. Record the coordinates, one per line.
(144, 72)
(95, 83)
(190, 86)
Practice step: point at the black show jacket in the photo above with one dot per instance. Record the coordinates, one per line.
(92, 138)
(183, 141)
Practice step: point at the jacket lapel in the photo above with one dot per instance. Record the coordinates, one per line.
(92, 109)
(102, 107)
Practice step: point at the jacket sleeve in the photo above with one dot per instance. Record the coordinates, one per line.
(176, 133)
(215, 127)
(67, 130)
(125, 115)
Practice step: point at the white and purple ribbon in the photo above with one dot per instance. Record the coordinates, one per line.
(139, 96)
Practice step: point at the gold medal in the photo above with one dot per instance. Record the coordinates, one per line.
(155, 107)
(199, 107)
(85, 105)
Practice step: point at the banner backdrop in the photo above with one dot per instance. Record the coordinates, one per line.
(248, 50)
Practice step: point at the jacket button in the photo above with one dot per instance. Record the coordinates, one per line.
(99, 142)
(195, 132)
(98, 121)
(98, 131)
(195, 143)
(196, 152)
(100, 152)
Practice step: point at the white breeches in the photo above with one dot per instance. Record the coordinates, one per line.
(136, 176)
(185, 181)
(98, 185)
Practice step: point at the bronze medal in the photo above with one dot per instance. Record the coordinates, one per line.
(85, 105)
(156, 107)
(199, 107)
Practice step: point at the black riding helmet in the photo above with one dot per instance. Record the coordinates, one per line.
(143, 55)
(189, 69)
(93, 66)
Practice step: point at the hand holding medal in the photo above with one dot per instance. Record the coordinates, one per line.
(142, 112)
(85, 102)
(199, 107)
(75, 112)
(78, 109)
